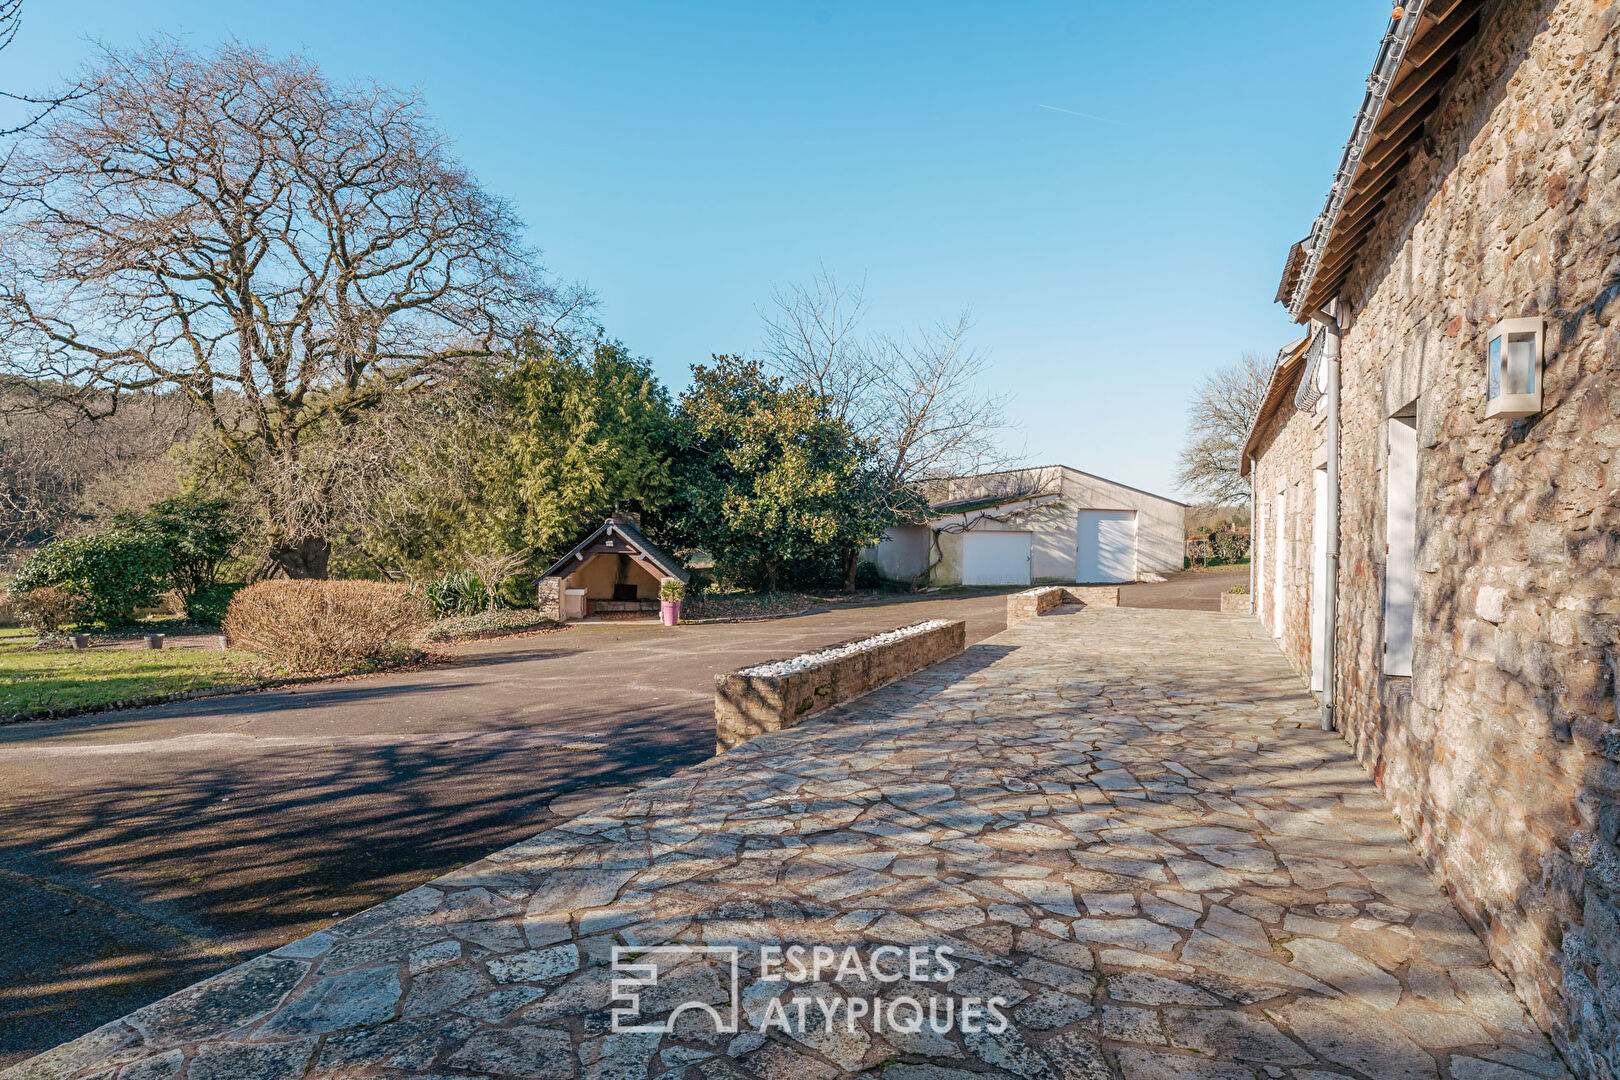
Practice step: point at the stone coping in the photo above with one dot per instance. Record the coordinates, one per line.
(1038, 601)
(746, 705)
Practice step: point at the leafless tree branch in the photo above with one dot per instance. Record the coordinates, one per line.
(1222, 411)
(919, 399)
(37, 106)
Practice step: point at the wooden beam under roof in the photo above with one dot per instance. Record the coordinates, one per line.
(1426, 56)
(1359, 202)
(1430, 60)
(1398, 140)
(1438, 10)
(1346, 253)
(1374, 176)
(1395, 118)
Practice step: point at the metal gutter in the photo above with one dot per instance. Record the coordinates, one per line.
(1390, 55)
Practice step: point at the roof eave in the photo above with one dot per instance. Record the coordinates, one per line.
(1385, 70)
(1280, 373)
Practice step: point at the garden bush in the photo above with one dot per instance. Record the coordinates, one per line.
(319, 627)
(197, 534)
(108, 574)
(458, 594)
(45, 609)
(208, 603)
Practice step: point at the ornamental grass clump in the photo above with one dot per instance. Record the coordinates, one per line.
(324, 627)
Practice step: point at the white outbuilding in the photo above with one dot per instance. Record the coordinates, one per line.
(1049, 524)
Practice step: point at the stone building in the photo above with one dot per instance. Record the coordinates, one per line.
(1461, 286)
(1285, 460)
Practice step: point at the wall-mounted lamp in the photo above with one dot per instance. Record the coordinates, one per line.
(1513, 352)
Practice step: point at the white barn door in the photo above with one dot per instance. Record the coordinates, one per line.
(995, 558)
(1106, 547)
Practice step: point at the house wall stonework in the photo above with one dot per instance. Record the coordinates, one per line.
(1501, 754)
(1287, 452)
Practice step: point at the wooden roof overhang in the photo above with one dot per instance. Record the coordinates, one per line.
(1421, 51)
(1284, 378)
(617, 537)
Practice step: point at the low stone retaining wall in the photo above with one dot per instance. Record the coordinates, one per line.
(1236, 603)
(1033, 602)
(753, 701)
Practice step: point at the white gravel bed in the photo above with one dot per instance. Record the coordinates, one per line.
(804, 661)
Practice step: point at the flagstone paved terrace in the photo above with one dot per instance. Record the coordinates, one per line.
(1122, 822)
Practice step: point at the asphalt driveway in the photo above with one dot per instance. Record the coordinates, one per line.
(1189, 590)
(143, 850)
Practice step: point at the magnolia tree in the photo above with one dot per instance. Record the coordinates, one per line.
(286, 252)
(767, 475)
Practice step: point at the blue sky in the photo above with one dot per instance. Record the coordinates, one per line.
(680, 158)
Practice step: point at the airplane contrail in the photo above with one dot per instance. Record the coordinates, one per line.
(1085, 115)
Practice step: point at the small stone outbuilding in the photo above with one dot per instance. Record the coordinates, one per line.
(613, 571)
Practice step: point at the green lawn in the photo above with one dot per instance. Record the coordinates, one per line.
(60, 679)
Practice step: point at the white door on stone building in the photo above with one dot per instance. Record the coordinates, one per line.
(1106, 546)
(1319, 575)
(1400, 523)
(1277, 525)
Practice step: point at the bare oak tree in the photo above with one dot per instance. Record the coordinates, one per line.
(919, 399)
(1222, 411)
(286, 252)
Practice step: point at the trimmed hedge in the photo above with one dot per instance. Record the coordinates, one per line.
(316, 627)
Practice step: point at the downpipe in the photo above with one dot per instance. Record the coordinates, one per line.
(1330, 599)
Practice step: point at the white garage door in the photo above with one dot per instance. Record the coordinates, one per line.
(995, 558)
(1107, 549)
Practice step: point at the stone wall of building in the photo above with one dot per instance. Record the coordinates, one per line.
(1286, 457)
(1501, 753)
(548, 598)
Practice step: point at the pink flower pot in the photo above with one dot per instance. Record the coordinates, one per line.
(672, 611)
